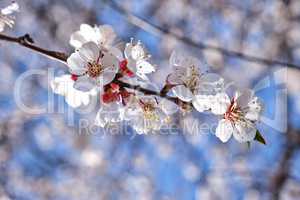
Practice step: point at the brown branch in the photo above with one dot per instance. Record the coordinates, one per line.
(27, 42)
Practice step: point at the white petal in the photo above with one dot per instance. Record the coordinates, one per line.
(202, 102)
(60, 84)
(244, 98)
(106, 35)
(244, 131)
(131, 64)
(73, 98)
(77, 39)
(89, 51)
(99, 120)
(2, 25)
(168, 107)
(220, 103)
(144, 67)
(14, 7)
(76, 64)
(87, 31)
(138, 52)
(84, 83)
(224, 130)
(254, 109)
(128, 50)
(106, 77)
(117, 53)
(110, 62)
(183, 93)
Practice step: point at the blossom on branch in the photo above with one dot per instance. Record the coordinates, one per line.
(191, 82)
(64, 85)
(95, 67)
(238, 116)
(103, 35)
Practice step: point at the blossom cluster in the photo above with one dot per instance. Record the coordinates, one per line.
(99, 68)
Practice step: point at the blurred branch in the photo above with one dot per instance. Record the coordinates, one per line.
(282, 173)
(159, 31)
(27, 41)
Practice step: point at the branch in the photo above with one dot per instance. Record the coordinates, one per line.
(158, 30)
(27, 42)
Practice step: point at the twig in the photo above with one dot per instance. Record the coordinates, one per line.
(27, 41)
(158, 30)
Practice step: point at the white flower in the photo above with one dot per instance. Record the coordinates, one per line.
(101, 35)
(145, 114)
(63, 85)
(109, 113)
(137, 59)
(5, 18)
(93, 66)
(239, 116)
(191, 83)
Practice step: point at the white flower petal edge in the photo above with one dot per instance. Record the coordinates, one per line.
(94, 66)
(63, 85)
(101, 35)
(239, 116)
(137, 58)
(224, 130)
(190, 79)
(109, 113)
(145, 114)
(5, 19)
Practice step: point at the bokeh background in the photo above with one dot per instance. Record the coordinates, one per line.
(45, 156)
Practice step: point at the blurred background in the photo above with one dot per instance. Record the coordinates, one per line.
(46, 156)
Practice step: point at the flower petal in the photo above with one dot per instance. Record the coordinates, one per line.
(168, 107)
(243, 98)
(244, 131)
(84, 83)
(77, 40)
(220, 103)
(224, 130)
(76, 64)
(144, 67)
(89, 51)
(202, 102)
(183, 93)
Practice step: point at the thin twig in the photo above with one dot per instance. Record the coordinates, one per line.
(158, 30)
(27, 41)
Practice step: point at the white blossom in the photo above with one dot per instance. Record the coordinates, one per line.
(63, 85)
(238, 116)
(191, 81)
(146, 114)
(109, 113)
(137, 59)
(5, 15)
(93, 66)
(103, 35)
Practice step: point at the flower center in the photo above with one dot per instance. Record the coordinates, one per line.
(149, 113)
(192, 79)
(94, 69)
(233, 113)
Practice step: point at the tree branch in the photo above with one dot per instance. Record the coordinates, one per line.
(158, 30)
(27, 42)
